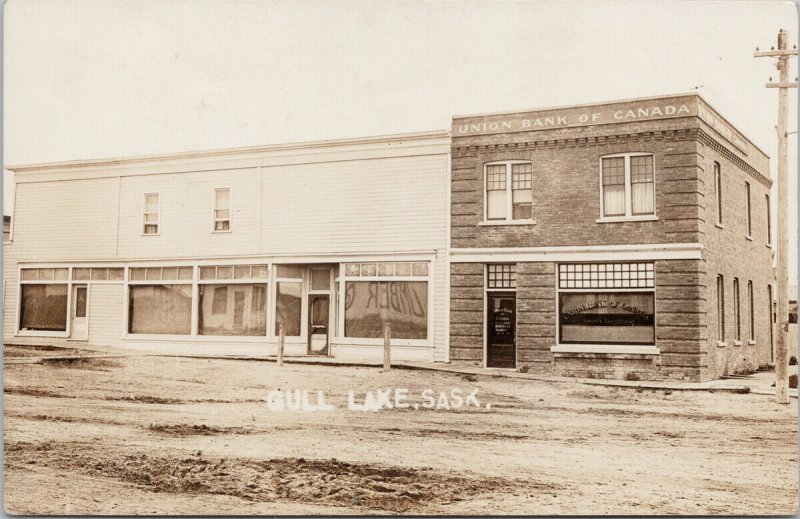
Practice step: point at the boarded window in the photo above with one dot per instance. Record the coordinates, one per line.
(160, 309)
(44, 307)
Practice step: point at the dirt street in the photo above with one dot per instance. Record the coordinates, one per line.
(163, 435)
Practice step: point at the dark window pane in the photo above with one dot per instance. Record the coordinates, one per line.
(403, 303)
(80, 302)
(44, 307)
(232, 310)
(607, 318)
(288, 302)
(160, 309)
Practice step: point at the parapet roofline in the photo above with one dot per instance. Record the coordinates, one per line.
(269, 148)
(616, 101)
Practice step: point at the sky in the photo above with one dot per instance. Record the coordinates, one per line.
(115, 78)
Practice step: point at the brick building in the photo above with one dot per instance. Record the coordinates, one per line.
(628, 239)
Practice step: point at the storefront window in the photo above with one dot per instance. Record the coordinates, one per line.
(44, 307)
(591, 316)
(288, 307)
(236, 309)
(160, 309)
(404, 304)
(607, 318)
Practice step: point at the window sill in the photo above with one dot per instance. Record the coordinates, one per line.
(751, 342)
(748, 237)
(506, 222)
(719, 225)
(617, 219)
(721, 344)
(769, 246)
(151, 234)
(737, 343)
(34, 333)
(605, 348)
(221, 232)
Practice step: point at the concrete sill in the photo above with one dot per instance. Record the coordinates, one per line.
(751, 342)
(605, 348)
(737, 343)
(488, 223)
(719, 225)
(619, 219)
(748, 238)
(721, 344)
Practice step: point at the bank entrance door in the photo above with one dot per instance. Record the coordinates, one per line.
(501, 320)
(79, 330)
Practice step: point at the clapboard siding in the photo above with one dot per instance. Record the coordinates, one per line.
(106, 320)
(66, 219)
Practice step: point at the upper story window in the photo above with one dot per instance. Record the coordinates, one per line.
(222, 209)
(718, 191)
(747, 206)
(151, 213)
(509, 191)
(627, 184)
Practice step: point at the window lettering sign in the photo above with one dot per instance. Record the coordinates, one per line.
(607, 318)
(502, 321)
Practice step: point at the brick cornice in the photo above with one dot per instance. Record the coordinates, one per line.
(714, 144)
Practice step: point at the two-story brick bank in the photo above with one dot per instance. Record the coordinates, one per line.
(628, 239)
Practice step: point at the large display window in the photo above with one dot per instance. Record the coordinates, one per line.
(606, 303)
(160, 309)
(44, 307)
(234, 309)
(393, 292)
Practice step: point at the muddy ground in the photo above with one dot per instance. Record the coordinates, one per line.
(162, 435)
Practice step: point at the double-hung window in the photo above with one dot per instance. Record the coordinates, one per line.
(627, 185)
(151, 213)
(737, 310)
(509, 191)
(222, 209)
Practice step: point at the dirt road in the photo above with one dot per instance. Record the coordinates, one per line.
(189, 436)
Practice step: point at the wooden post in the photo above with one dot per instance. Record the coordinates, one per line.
(387, 355)
(782, 279)
(280, 344)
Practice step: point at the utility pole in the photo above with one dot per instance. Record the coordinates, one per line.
(781, 361)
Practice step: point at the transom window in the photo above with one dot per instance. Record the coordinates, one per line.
(627, 185)
(386, 269)
(222, 209)
(509, 191)
(501, 276)
(606, 275)
(151, 213)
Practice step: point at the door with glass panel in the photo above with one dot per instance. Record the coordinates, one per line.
(501, 351)
(79, 329)
(318, 312)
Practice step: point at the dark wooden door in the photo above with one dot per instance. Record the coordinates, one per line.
(501, 330)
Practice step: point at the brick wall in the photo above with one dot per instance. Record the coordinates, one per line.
(566, 193)
(729, 252)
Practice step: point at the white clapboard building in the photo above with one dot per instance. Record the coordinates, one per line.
(212, 252)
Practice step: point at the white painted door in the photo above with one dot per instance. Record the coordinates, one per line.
(80, 323)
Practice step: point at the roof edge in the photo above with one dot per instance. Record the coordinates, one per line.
(199, 154)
